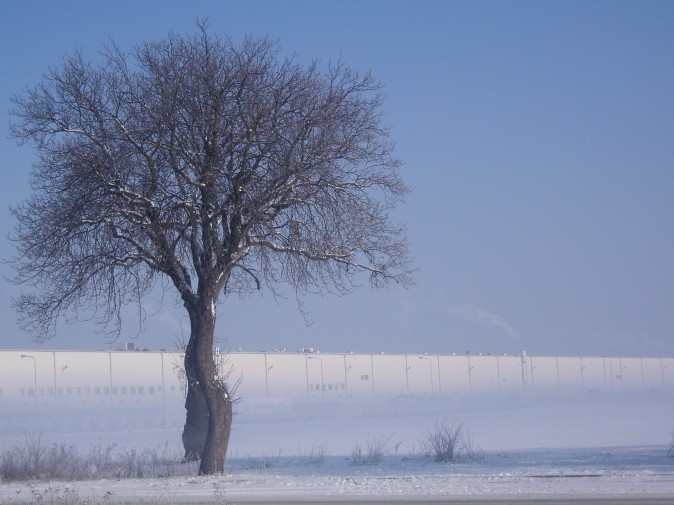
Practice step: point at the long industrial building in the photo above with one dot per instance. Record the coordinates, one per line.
(75, 390)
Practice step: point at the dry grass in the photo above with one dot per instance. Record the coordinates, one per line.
(375, 450)
(39, 461)
(36, 460)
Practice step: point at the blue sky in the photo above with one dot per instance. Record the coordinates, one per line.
(538, 138)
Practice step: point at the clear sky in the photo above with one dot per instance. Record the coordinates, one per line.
(538, 138)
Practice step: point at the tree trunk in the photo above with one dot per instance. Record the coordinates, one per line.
(195, 430)
(209, 407)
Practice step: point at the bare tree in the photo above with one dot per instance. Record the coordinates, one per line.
(221, 168)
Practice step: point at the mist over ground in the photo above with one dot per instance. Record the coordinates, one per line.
(516, 422)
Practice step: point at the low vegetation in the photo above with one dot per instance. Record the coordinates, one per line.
(375, 449)
(316, 457)
(37, 460)
(40, 461)
(449, 443)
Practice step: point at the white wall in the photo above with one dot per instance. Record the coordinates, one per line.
(71, 380)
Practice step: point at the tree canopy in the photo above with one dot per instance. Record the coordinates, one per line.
(208, 163)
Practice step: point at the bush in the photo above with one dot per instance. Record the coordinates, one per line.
(449, 443)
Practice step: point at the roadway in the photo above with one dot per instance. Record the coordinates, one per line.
(511, 499)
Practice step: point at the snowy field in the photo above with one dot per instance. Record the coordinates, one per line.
(616, 471)
(591, 446)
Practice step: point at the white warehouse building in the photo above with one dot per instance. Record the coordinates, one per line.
(79, 390)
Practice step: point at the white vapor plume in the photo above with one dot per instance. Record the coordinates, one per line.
(477, 315)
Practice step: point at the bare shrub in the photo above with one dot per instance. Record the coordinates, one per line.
(375, 450)
(449, 443)
(444, 442)
(470, 451)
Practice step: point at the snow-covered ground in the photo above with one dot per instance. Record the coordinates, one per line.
(614, 471)
(582, 445)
